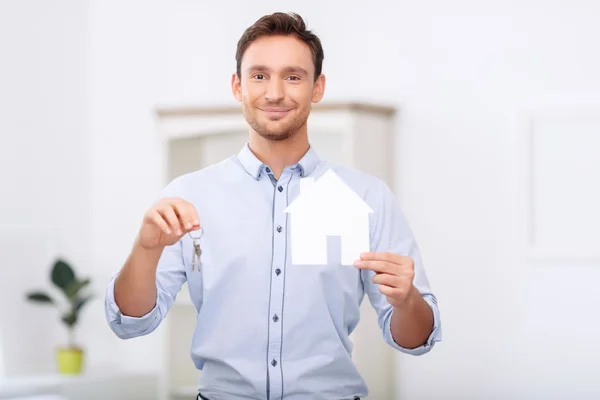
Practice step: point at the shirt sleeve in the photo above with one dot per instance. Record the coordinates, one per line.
(390, 232)
(170, 276)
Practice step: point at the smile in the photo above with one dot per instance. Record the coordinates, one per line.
(276, 112)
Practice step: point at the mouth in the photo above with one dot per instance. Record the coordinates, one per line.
(275, 112)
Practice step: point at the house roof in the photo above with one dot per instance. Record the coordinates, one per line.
(329, 193)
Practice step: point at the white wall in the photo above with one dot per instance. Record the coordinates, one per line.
(45, 196)
(462, 74)
(466, 73)
(126, 77)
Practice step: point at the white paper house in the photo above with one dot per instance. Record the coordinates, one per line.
(327, 207)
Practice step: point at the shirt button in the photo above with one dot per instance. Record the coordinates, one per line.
(279, 228)
(275, 318)
(280, 189)
(273, 362)
(277, 271)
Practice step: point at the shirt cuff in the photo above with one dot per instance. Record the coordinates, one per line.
(435, 336)
(125, 326)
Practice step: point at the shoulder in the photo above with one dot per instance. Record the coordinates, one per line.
(350, 174)
(372, 189)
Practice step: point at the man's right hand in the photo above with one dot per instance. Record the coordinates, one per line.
(166, 222)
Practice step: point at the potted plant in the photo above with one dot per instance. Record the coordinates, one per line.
(69, 358)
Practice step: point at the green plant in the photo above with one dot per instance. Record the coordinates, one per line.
(64, 278)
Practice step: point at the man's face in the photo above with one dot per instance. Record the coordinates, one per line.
(277, 86)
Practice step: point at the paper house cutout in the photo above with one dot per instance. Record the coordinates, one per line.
(327, 207)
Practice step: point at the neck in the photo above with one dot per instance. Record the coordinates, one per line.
(279, 154)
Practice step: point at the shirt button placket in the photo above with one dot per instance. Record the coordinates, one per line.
(277, 299)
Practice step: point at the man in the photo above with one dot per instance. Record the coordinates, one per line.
(266, 328)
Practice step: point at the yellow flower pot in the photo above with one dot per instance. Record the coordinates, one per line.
(69, 360)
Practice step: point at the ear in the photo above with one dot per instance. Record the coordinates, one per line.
(318, 89)
(236, 87)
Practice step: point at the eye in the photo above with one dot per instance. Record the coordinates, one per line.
(294, 78)
(259, 76)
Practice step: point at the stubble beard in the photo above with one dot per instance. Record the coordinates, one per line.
(286, 131)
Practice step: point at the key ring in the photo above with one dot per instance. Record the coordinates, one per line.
(196, 238)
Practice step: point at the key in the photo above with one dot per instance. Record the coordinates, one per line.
(196, 250)
(197, 253)
(194, 255)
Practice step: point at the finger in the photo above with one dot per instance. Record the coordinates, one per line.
(382, 256)
(377, 266)
(188, 212)
(387, 280)
(159, 221)
(394, 292)
(387, 290)
(187, 215)
(167, 212)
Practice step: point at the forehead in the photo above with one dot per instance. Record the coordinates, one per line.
(277, 52)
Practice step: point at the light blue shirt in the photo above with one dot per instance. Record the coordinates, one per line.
(267, 329)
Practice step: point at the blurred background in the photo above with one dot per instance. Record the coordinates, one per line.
(496, 164)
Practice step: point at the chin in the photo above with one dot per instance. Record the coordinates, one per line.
(274, 135)
(274, 128)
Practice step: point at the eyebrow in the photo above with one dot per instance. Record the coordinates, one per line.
(289, 69)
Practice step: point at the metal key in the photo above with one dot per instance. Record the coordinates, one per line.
(196, 250)
(197, 253)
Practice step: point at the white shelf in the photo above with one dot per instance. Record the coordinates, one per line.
(114, 385)
(357, 135)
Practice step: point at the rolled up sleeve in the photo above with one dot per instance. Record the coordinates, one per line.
(435, 336)
(124, 326)
(390, 232)
(170, 276)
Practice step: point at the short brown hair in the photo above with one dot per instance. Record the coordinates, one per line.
(281, 24)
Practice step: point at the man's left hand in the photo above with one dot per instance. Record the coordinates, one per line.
(393, 273)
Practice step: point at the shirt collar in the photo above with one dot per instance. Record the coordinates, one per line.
(254, 166)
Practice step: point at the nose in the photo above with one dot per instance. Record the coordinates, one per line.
(274, 92)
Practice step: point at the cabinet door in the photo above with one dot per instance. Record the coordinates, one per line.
(193, 153)
(329, 145)
(187, 155)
